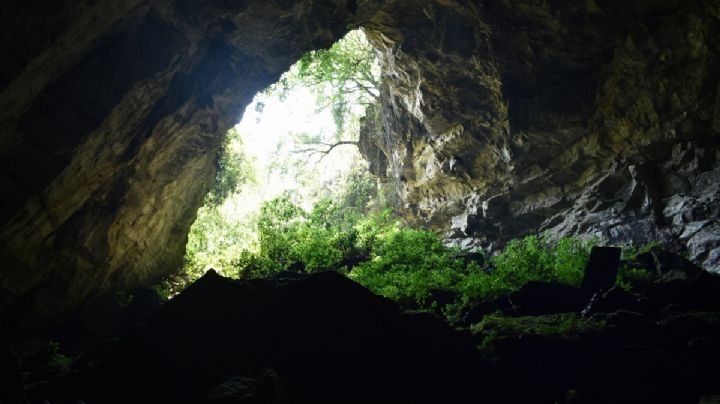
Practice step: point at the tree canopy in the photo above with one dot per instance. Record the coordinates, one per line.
(344, 78)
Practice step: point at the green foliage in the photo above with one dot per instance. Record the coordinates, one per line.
(360, 191)
(633, 278)
(214, 241)
(233, 169)
(630, 278)
(523, 260)
(344, 80)
(631, 252)
(253, 265)
(540, 259)
(330, 236)
(566, 325)
(343, 75)
(57, 359)
(403, 264)
(407, 264)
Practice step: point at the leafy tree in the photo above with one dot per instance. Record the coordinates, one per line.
(329, 236)
(344, 79)
(539, 258)
(214, 240)
(408, 264)
(279, 220)
(233, 168)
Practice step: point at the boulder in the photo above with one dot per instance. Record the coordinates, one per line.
(11, 388)
(614, 299)
(668, 265)
(538, 298)
(602, 269)
(534, 298)
(325, 337)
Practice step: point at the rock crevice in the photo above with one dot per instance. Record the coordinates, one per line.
(512, 118)
(111, 122)
(497, 119)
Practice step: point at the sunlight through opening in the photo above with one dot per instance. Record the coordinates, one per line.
(297, 140)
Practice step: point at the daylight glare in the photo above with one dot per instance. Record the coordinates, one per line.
(280, 149)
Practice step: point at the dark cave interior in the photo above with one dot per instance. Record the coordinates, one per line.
(497, 119)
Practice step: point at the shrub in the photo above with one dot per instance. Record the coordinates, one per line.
(540, 259)
(630, 278)
(330, 236)
(566, 325)
(407, 264)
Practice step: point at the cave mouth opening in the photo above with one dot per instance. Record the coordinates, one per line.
(294, 154)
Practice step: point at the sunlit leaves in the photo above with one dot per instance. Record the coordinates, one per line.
(344, 79)
(233, 168)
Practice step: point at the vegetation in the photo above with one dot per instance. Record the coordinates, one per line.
(352, 234)
(565, 325)
(344, 79)
(233, 169)
(540, 258)
(56, 359)
(335, 234)
(408, 265)
(630, 278)
(350, 230)
(281, 234)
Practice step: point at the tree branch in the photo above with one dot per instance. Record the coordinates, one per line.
(311, 151)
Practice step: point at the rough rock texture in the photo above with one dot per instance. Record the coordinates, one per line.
(499, 118)
(505, 118)
(111, 114)
(323, 338)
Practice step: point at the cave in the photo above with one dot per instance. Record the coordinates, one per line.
(498, 119)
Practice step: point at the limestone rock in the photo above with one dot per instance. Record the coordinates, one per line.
(111, 114)
(513, 117)
(581, 118)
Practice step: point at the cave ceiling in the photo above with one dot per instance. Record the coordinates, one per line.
(500, 118)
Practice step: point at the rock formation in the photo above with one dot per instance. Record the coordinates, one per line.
(499, 118)
(597, 118)
(112, 114)
(323, 338)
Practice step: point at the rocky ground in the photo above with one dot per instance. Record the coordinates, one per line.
(323, 338)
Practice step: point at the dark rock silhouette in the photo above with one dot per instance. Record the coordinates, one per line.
(602, 269)
(323, 338)
(497, 120)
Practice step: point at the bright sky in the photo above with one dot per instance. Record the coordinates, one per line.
(266, 138)
(263, 131)
(267, 142)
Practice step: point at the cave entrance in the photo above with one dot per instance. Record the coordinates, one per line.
(292, 159)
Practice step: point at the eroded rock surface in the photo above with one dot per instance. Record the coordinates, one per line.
(322, 338)
(111, 115)
(499, 118)
(505, 118)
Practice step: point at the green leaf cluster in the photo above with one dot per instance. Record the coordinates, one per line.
(565, 325)
(232, 169)
(407, 264)
(630, 278)
(536, 258)
(330, 236)
(341, 77)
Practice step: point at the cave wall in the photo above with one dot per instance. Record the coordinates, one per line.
(498, 118)
(598, 118)
(111, 115)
